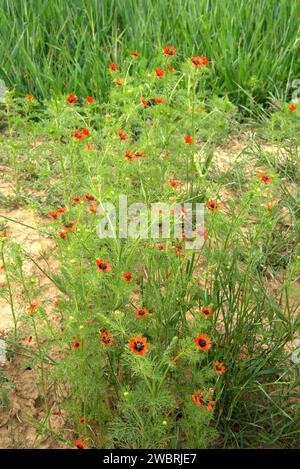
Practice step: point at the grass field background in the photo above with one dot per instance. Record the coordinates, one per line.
(145, 341)
(53, 47)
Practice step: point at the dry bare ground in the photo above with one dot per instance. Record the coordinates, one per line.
(19, 421)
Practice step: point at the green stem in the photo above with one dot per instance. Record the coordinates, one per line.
(11, 302)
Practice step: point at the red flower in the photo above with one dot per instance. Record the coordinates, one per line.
(57, 214)
(219, 368)
(70, 226)
(174, 183)
(292, 107)
(206, 311)
(198, 398)
(202, 342)
(72, 99)
(103, 265)
(76, 199)
(210, 405)
(92, 209)
(201, 401)
(63, 234)
(54, 215)
(199, 61)
(81, 134)
(188, 139)
(159, 72)
(179, 250)
(89, 99)
(171, 69)
(119, 82)
(135, 54)
(169, 51)
(122, 135)
(141, 313)
(144, 102)
(80, 444)
(29, 97)
(139, 345)
(89, 146)
(127, 276)
(129, 155)
(106, 338)
(139, 154)
(32, 307)
(265, 178)
(113, 67)
(82, 420)
(76, 344)
(212, 205)
(89, 198)
(159, 100)
(78, 135)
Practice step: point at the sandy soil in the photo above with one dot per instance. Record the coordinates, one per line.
(24, 414)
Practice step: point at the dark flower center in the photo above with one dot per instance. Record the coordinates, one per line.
(102, 266)
(106, 339)
(202, 342)
(138, 346)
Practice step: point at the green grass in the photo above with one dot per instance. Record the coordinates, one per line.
(63, 45)
(248, 268)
